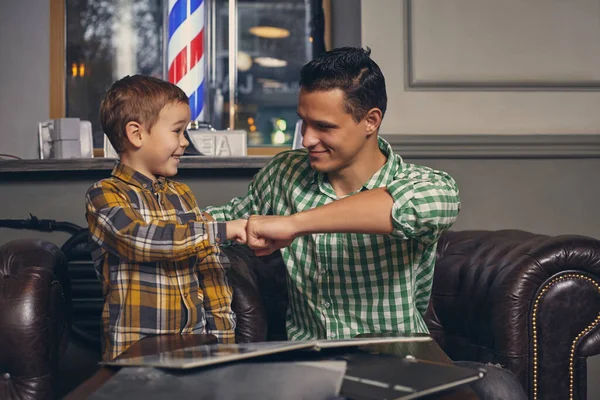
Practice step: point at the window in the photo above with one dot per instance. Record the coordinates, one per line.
(108, 39)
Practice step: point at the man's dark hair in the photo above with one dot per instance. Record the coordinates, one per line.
(353, 71)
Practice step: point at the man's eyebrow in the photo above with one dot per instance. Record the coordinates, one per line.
(181, 121)
(319, 122)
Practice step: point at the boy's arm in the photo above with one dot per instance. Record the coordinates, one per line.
(408, 208)
(119, 228)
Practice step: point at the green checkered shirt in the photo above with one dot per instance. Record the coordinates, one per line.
(341, 285)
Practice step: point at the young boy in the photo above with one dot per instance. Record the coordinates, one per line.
(157, 256)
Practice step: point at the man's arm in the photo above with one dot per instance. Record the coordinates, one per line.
(408, 208)
(119, 228)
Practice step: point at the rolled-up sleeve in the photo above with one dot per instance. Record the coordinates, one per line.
(425, 205)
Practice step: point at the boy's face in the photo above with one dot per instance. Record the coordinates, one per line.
(333, 138)
(165, 143)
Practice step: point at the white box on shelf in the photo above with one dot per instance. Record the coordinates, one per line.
(59, 138)
(219, 143)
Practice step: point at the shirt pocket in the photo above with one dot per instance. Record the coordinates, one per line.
(185, 217)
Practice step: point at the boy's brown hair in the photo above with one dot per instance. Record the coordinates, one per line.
(135, 98)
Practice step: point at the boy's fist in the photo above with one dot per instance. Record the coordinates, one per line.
(236, 230)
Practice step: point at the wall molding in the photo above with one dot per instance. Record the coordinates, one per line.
(495, 146)
(411, 83)
(408, 146)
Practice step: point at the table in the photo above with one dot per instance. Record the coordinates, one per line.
(427, 351)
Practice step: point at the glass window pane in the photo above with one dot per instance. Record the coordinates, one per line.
(106, 40)
(275, 39)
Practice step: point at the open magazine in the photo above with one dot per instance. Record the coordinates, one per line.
(211, 354)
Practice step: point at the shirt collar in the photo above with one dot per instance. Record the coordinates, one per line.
(388, 170)
(381, 177)
(133, 177)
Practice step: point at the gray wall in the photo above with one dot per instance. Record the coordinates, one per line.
(548, 196)
(24, 74)
(487, 66)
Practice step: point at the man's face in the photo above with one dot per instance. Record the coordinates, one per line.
(333, 139)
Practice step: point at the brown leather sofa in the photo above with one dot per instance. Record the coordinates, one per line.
(35, 318)
(528, 302)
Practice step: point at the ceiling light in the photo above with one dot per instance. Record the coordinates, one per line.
(269, 32)
(270, 83)
(270, 62)
(244, 61)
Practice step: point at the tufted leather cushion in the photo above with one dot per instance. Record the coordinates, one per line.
(34, 318)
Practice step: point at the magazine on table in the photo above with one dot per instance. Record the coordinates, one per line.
(211, 354)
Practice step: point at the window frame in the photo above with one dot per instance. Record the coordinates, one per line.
(57, 84)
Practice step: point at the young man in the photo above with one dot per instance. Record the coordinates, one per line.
(377, 279)
(156, 255)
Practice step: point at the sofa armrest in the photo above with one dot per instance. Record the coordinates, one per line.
(35, 317)
(259, 294)
(529, 302)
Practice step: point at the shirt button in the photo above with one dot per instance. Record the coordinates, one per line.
(323, 271)
(332, 335)
(185, 295)
(326, 304)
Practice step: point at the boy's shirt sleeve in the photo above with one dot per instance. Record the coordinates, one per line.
(426, 203)
(118, 227)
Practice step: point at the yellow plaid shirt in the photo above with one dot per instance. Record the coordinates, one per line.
(161, 269)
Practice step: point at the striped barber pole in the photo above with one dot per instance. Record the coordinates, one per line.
(185, 52)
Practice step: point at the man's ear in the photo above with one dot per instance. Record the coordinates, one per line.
(133, 131)
(373, 120)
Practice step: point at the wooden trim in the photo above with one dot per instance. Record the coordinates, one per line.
(57, 59)
(266, 150)
(107, 164)
(327, 27)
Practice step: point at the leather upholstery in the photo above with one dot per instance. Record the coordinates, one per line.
(485, 290)
(528, 302)
(483, 304)
(34, 318)
(259, 295)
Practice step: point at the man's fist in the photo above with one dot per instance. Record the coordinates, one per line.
(267, 233)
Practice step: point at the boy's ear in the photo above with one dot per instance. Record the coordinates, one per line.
(373, 120)
(133, 131)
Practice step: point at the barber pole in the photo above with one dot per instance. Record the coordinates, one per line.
(185, 51)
